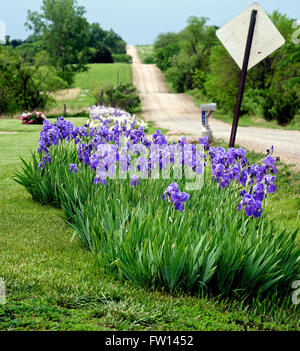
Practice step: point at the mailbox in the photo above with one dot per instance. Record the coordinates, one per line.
(208, 107)
(207, 110)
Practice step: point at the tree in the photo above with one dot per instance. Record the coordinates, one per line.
(272, 87)
(165, 48)
(278, 76)
(101, 54)
(185, 56)
(96, 35)
(63, 30)
(102, 44)
(115, 43)
(28, 51)
(8, 81)
(181, 72)
(223, 78)
(16, 42)
(26, 85)
(197, 39)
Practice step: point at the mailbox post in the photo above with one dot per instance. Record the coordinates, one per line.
(206, 111)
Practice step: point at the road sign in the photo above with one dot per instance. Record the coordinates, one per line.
(266, 37)
(249, 38)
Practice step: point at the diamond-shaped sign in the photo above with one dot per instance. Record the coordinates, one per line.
(266, 38)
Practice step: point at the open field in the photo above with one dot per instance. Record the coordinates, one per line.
(102, 74)
(97, 77)
(66, 94)
(53, 283)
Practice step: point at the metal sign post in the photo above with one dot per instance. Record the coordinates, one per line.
(243, 79)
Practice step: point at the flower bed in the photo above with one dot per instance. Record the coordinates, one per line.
(32, 118)
(103, 113)
(173, 216)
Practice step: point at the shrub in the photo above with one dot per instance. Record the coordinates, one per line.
(281, 107)
(199, 80)
(252, 102)
(124, 96)
(32, 118)
(122, 58)
(181, 73)
(149, 59)
(100, 55)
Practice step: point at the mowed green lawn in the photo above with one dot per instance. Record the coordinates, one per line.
(102, 74)
(53, 283)
(97, 77)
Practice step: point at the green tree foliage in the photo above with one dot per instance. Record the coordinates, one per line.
(124, 96)
(223, 78)
(122, 58)
(63, 30)
(26, 85)
(197, 39)
(183, 54)
(62, 42)
(28, 51)
(96, 35)
(101, 54)
(114, 42)
(104, 44)
(165, 48)
(200, 61)
(9, 83)
(180, 74)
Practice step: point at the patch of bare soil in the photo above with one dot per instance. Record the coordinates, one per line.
(66, 94)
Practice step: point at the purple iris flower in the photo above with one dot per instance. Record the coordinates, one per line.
(240, 152)
(218, 170)
(100, 178)
(173, 187)
(271, 187)
(49, 158)
(176, 196)
(259, 191)
(243, 177)
(179, 196)
(228, 167)
(269, 163)
(253, 207)
(134, 180)
(204, 141)
(73, 167)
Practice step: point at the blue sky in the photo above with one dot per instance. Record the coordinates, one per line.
(140, 21)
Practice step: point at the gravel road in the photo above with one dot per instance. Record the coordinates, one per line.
(177, 112)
